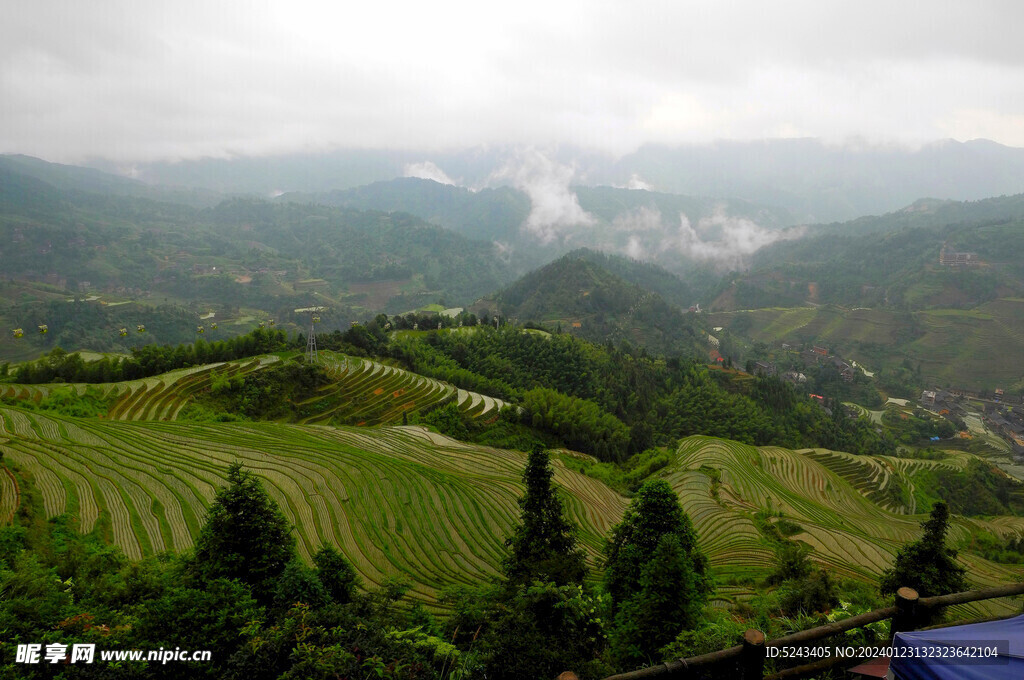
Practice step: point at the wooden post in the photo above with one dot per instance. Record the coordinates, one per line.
(906, 614)
(753, 655)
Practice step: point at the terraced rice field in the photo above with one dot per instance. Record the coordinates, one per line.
(973, 348)
(158, 398)
(980, 348)
(398, 501)
(829, 325)
(828, 494)
(163, 397)
(366, 392)
(403, 501)
(9, 496)
(363, 392)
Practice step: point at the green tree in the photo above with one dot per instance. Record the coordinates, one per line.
(447, 420)
(210, 614)
(655, 573)
(927, 565)
(299, 584)
(541, 631)
(246, 536)
(654, 512)
(336, 574)
(544, 546)
(662, 607)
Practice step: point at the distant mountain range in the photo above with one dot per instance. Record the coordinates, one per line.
(811, 180)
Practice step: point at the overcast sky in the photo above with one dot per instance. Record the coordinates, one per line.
(138, 81)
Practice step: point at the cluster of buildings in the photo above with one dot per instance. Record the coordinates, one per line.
(815, 356)
(1003, 414)
(950, 258)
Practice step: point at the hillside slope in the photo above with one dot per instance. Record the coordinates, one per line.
(401, 501)
(586, 299)
(843, 505)
(398, 501)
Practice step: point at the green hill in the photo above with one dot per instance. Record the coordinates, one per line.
(71, 232)
(878, 290)
(358, 392)
(853, 511)
(581, 295)
(977, 349)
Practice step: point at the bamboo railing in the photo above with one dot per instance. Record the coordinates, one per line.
(746, 661)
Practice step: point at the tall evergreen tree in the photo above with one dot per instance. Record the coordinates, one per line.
(655, 573)
(544, 546)
(927, 565)
(654, 513)
(245, 536)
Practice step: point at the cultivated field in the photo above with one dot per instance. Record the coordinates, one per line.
(362, 392)
(405, 502)
(839, 501)
(398, 501)
(979, 348)
(365, 392)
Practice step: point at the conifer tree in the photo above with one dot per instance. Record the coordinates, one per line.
(246, 537)
(544, 546)
(655, 573)
(927, 565)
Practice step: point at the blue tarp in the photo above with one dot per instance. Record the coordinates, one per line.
(931, 654)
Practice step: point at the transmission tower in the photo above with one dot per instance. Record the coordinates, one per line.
(314, 319)
(311, 356)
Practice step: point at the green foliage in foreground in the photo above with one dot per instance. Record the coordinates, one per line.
(655, 574)
(59, 586)
(245, 537)
(927, 565)
(544, 546)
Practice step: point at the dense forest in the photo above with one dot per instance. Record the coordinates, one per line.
(658, 400)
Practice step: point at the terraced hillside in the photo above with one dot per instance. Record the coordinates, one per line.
(829, 495)
(362, 392)
(823, 325)
(398, 501)
(366, 392)
(402, 501)
(158, 398)
(977, 347)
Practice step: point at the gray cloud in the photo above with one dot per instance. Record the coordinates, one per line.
(137, 81)
(725, 240)
(428, 170)
(554, 208)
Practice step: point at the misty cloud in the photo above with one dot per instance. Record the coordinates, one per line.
(554, 208)
(637, 183)
(634, 249)
(642, 219)
(428, 170)
(726, 241)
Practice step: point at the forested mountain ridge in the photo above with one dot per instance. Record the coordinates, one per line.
(580, 295)
(243, 258)
(893, 259)
(812, 180)
(928, 296)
